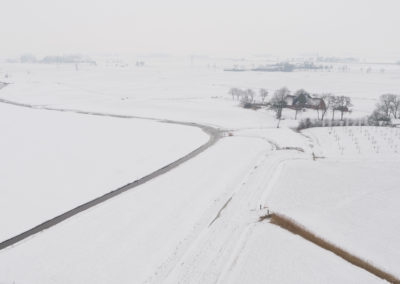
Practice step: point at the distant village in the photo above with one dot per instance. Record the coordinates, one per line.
(281, 67)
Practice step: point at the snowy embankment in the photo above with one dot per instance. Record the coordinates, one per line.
(350, 197)
(53, 161)
(140, 235)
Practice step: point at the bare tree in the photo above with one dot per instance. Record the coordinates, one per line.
(263, 94)
(384, 104)
(390, 105)
(327, 99)
(343, 104)
(379, 116)
(244, 98)
(232, 92)
(333, 105)
(235, 92)
(396, 106)
(250, 93)
(330, 103)
(238, 93)
(278, 102)
(300, 100)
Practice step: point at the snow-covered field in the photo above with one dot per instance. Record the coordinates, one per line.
(271, 255)
(52, 161)
(356, 142)
(140, 235)
(181, 91)
(353, 204)
(198, 223)
(350, 197)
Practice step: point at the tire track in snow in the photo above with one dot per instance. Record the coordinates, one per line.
(214, 252)
(195, 239)
(214, 133)
(257, 197)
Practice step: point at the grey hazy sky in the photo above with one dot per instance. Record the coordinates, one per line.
(365, 27)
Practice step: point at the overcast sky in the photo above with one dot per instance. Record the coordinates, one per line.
(365, 27)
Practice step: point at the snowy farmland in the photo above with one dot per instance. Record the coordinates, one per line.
(64, 159)
(71, 136)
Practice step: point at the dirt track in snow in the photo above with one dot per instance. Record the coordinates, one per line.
(214, 134)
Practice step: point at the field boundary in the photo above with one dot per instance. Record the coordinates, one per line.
(295, 228)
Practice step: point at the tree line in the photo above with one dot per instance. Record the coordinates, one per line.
(298, 101)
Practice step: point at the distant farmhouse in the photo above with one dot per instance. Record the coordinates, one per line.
(304, 100)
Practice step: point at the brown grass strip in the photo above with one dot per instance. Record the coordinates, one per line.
(291, 226)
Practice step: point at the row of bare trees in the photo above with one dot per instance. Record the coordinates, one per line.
(341, 104)
(247, 95)
(280, 100)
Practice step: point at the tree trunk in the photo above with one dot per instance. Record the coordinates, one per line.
(279, 113)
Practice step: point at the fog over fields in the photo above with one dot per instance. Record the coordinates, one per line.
(199, 142)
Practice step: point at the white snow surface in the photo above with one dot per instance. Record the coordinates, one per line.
(271, 255)
(350, 197)
(52, 162)
(140, 235)
(199, 222)
(180, 91)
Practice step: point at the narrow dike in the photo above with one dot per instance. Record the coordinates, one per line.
(291, 226)
(214, 134)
